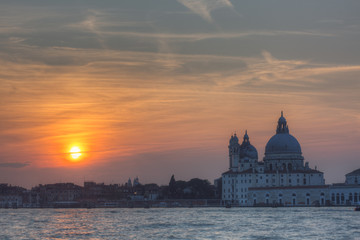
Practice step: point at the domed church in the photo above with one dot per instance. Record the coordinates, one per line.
(251, 182)
(282, 178)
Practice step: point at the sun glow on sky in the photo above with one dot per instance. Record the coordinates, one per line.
(75, 153)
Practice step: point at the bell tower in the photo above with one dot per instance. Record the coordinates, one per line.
(234, 153)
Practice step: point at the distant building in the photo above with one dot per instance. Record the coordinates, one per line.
(282, 178)
(129, 184)
(11, 196)
(51, 194)
(136, 181)
(353, 177)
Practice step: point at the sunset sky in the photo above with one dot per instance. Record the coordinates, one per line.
(151, 88)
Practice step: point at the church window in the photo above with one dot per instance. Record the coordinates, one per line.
(289, 166)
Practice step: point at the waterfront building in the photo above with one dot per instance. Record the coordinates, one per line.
(11, 196)
(50, 194)
(282, 178)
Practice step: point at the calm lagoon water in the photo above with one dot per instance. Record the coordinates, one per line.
(181, 223)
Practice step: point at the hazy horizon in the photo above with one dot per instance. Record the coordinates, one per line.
(155, 88)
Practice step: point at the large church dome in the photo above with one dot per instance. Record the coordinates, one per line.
(282, 142)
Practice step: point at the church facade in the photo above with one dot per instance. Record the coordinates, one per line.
(282, 178)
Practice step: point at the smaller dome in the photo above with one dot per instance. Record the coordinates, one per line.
(248, 150)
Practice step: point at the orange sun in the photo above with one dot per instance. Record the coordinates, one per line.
(75, 153)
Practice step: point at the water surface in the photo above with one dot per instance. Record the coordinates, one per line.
(181, 223)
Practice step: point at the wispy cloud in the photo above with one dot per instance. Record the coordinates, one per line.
(218, 35)
(204, 7)
(14, 164)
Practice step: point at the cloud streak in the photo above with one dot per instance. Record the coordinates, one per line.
(14, 164)
(203, 8)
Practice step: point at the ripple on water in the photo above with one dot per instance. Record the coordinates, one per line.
(180, 223)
